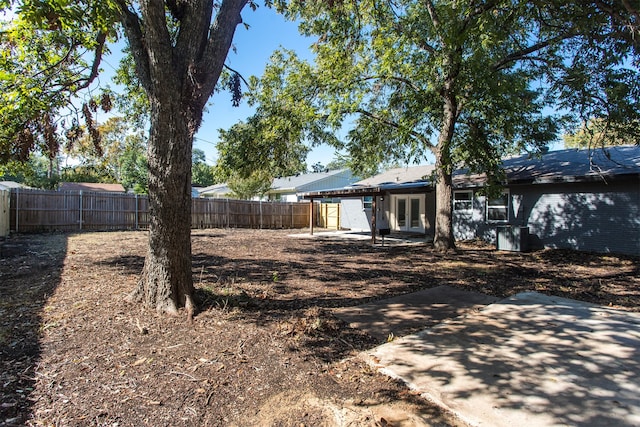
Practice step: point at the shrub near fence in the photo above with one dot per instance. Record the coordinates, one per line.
(37, 210)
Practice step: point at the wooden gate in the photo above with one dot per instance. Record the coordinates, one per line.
(330, 215)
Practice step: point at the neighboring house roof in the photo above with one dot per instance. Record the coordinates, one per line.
(8, 185)
(312, 181)
(216, 190)
(400, 176)
(91, 186)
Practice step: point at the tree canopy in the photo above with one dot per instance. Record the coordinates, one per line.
(51, 53)
(467, 81)
(597, 133)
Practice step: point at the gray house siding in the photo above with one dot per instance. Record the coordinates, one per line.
(603, 219)
(353, 215)
(467, 223)
(591, 216)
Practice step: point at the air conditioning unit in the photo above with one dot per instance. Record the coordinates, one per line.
(512, 238)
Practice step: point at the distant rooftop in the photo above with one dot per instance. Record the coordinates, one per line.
(91, 186)
(7, 185)
(399, 176)
(297, 181)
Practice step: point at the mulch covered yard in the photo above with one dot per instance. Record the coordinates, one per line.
(265, 348)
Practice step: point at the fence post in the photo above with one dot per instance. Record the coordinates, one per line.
(228, 213)
(311, 216)
(17, 209)
(80, 209)
(136, 214)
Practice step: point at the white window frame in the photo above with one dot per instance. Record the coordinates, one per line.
(457, 204)
(505, 208)
(367, 202)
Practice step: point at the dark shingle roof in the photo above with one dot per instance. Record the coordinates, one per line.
(570, 165)
(575, 165)
(399, 176)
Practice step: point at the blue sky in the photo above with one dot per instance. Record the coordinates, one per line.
(268, 31)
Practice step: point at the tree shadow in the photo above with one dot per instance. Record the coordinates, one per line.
(565, 363)
(30, 272)
(277, 287)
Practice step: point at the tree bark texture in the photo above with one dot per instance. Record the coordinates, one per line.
(166, 282)
(443, 236)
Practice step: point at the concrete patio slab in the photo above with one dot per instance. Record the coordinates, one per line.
(396, 239)
(409, 313)
(529, 360)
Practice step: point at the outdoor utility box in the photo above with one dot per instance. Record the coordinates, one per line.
(512, 238)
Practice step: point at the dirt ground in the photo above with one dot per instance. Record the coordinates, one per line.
(264, 349)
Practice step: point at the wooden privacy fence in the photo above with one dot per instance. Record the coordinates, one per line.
(38, 210)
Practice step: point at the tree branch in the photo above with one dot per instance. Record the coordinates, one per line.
(236, 72)
(395, 125)
(97, 59)
(194, 26)
(158, 45)
(523, 53)
(133, 30)
(220, 39)
(435, 20)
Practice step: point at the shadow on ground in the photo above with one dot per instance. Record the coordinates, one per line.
(38, 261)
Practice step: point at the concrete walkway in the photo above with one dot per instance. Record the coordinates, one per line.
(529, 360)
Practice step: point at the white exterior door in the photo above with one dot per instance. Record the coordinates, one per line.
(408, 213)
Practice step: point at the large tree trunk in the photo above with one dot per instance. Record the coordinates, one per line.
(179, 71)
(166, 283)
(443, 238)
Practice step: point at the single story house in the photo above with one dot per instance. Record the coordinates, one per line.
(580, 199)
(216, 191)
(98, 187)
(288, 189)
(9, 185)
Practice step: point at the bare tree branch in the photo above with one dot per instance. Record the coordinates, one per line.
(395, 125)
(524, 53)
(237, 73)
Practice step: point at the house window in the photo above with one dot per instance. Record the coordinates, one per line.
(462, 200)
(415, 213)
(498, 208)
(367, 202)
